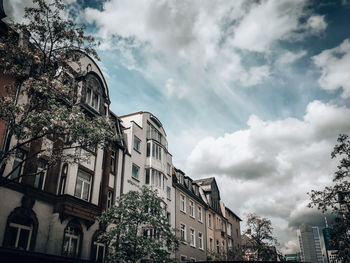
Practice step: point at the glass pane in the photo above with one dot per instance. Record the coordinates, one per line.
(73, 247)
(86, 191)
(148, 149)
(39, 180)
(23, 239)
(147, 177)
(84, 176)
(101, 250)
(17, 170)
(12, 236)
(78, 187)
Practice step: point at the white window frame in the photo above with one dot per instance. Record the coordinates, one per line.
(210, 221)
(183, 232)
(200, 214)
(84, 182)
(90, 99)
(191, 208)
(200, 240)
(168, 192)
(192, 237)
(137, 144)
(137, 171)
(19, 229)
(97, 245)
(182, 203)
(71, 237)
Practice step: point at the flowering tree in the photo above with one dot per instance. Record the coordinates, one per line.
(42, 58)
(259, 242)
(137, 227)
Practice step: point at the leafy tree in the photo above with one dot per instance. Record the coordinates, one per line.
(258, 241)
(137, 227)
(42, 58)
(336, 198)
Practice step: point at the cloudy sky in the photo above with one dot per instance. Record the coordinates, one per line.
(254, 93)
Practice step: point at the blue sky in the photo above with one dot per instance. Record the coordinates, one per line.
(251, 92)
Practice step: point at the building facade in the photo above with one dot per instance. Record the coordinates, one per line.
(216, 222)
(190, 219)
(310, 244)
(54, 212)
(233, 235)
(149, 163)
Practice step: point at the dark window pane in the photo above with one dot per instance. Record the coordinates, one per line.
(23, 239)
(12, 236)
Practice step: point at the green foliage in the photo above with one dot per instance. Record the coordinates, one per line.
(43, 58)
(336, 198)
(126, 223)
(260, 242)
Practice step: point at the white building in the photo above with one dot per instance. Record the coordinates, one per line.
(150, 162)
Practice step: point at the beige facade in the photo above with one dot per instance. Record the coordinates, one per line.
(233, 235)
(190, 219)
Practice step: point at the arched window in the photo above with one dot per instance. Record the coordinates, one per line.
(98, 249)
(92, 92)
(21, 227)
(72, 239)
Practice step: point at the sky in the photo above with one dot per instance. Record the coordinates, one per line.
(254, 93)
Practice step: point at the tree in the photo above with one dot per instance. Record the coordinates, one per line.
(137, 227)
(42, 56)
(258, 241)
(336, 198)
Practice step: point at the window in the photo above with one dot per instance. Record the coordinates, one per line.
(109, 199)
(193, 237)
(182, 232)
(20, 236)
(18, 164)
(63, 179)
(137, 143)
(168, 169)
(135, 171)
(113, 162)
(168, 216)
(229, 243)
(209, 220)
(71, 240)
(182, 203)
(41, 174)
(168, 192)
(199, 214)
(218, 223)
(148, 153)
(200, 240)
(92, 97)
(181, 179)
(223, 245)
(229, 229)
(156, 179)
(183, 258)
(147, 177)
(83, 185)
(98, 251)
(157, 151)
(217, 247)
(211, 244)
(191, 205)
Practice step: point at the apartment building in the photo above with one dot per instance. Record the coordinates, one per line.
(216, 222)
(149, 162)
(233, 235)
(190, 219)
(54, 212)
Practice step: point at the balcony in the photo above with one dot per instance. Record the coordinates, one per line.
(67, 205)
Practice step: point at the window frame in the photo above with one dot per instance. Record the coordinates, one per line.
(210, 222)
(113, 162)
(84, 181)
(19, 228)
(79, 237)
(183, 203)
(137, 146)
(191, 208)
(200, 214)
(182, 232)
(109, 200)
(192, 237)
(200, 240)
(137, 172)
(168, 192)
(40, 176)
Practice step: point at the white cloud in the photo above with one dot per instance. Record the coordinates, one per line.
(317, 23)
(269, 167)
(334, 64)
(268, 22)
(290, 57)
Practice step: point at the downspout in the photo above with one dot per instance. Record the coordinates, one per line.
(122, 174)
